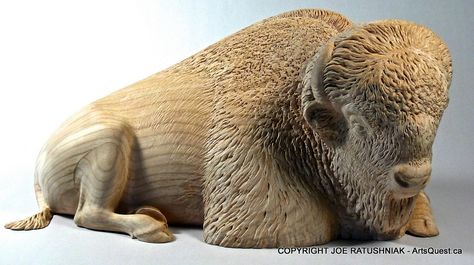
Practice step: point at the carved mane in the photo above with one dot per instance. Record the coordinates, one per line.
(337, 21)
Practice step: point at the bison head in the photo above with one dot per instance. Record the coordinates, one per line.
(374, 95)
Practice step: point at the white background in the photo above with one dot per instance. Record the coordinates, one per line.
(57, 56)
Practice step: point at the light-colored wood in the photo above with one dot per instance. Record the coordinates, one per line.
(422, 222)
(294, 131)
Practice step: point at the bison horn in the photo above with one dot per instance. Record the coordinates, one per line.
(318, 110)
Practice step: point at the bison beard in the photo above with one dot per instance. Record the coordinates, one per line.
(366, 213)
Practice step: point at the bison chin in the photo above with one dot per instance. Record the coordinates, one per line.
(376, 217)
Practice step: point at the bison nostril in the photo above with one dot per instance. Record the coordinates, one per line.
(426, 180)
(399, 178)
(408, 180)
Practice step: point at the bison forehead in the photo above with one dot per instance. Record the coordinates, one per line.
(404, 82)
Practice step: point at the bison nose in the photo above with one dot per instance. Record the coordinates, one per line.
(410, 179)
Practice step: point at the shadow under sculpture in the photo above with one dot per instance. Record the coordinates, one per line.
(297, 130)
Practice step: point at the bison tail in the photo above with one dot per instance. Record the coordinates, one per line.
(37, 221)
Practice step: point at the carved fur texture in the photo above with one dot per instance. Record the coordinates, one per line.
(295, 131)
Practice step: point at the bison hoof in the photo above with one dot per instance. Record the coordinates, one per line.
(422, 223)
(423, 228)
(159, 234)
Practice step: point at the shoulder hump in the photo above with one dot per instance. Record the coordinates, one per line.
(338, 21)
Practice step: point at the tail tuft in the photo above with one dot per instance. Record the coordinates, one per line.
(37, 221)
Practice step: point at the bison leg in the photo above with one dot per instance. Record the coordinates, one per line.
(421, 221)
(103, 174)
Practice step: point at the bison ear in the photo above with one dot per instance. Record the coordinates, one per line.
(320, 113)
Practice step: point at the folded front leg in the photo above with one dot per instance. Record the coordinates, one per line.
(421, 222)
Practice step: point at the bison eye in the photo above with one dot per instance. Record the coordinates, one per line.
(357, 122)
(357, 126)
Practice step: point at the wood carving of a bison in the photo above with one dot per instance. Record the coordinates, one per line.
(297, 130)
